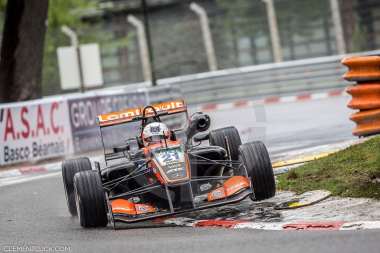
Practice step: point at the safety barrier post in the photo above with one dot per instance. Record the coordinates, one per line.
(365, 71)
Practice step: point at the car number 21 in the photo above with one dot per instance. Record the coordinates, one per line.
(170, 156)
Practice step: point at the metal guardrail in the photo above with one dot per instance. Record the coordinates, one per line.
(256, 81)
(263, 80)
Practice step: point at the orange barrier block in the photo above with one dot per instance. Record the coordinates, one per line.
(368, 122)
(362, 68)
(364, 96)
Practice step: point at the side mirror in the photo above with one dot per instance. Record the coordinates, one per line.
(201, 136)
(199, 122)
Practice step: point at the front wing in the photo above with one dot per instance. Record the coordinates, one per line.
(171, 209)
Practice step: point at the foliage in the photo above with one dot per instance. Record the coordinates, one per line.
(69, 12)
(246, 15)
(353, 172)
(3, 3)
(61, 12)
(359, 39)
(300, 14)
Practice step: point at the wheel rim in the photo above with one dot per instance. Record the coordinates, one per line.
(78, 202)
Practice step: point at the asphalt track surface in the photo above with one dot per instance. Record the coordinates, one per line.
(34, 213)
(285, 127)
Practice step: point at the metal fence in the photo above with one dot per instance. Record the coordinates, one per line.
(262, 80)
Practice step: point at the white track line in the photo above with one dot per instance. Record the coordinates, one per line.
(14, 181)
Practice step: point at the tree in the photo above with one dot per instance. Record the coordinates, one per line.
(61, 12)
(22, 49)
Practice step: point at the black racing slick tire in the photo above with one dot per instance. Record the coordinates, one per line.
(90, 199)
(255, 158)
(69, 169)
(218, 137)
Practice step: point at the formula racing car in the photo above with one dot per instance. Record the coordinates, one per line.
(158, 162)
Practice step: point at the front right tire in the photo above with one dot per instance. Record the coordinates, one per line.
(218, 137)
(255, 158)
(90, 199)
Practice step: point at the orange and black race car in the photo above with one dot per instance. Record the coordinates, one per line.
(158, 164)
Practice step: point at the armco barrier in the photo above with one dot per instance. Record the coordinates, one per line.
(265, 80)
(365, 70)
(61, 125)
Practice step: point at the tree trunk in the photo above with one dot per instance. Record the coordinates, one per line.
(22, 50)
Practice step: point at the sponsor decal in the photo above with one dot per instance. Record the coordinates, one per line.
(130, 114)
(216, 194)
(141, 208)
(205, 187)
(155, 129)
(126, 115)
(144, 208)
(237, 186)
(34, 131)
(83, 114)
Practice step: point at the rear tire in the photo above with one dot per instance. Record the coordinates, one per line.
(217, 138)
(255, 157)
(69, 169)
(90, 199)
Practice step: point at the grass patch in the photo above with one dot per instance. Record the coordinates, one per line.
(353, 172)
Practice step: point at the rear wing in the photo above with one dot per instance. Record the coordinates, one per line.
(133, 114)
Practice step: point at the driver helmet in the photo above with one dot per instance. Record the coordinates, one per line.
(155, 132)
